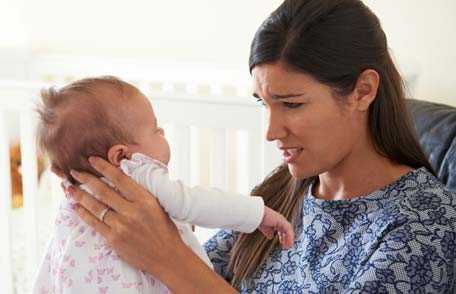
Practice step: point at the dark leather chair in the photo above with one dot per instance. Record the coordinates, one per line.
(436, 129)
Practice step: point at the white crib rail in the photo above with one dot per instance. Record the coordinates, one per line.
(234, 154)
(219, 160)
(16, 98)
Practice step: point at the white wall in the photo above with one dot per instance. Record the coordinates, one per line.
(12, 23)
(197, 30)
(421, 33)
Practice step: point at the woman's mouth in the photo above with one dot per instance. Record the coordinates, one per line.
(291, 155)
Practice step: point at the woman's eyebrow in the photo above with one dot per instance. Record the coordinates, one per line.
(278, 97)
(284, 96)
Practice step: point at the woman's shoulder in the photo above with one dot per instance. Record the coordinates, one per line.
(418, 189)
(414, 202)
(422, 192)
(417, 197)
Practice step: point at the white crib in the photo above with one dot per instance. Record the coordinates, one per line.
(214, 127)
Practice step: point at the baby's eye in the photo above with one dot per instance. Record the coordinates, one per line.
(159, 130)
(291, 105)
(261, 101)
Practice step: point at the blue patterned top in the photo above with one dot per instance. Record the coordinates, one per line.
(400, 239)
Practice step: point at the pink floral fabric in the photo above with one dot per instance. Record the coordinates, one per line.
(78, 260)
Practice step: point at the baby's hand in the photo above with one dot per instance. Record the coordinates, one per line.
(274, 221)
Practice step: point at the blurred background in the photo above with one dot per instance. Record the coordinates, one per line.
(190, 58)
(421, 34)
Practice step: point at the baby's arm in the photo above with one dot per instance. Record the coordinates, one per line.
(210, 208)
(204, 207)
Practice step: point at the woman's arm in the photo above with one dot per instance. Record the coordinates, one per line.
(141, 232)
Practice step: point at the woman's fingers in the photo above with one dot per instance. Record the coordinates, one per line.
(94, 222)
(91, 205)
(125, 184)
(104, 193)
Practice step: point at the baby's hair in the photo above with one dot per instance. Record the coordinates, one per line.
(83, 119)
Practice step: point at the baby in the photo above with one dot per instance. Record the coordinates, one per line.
(112, 119)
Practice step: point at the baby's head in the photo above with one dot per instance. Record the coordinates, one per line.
(104, 117)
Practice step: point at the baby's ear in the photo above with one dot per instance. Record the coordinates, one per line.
(116, 153)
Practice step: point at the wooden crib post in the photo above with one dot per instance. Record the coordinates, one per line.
(30, 185)
(6, 278)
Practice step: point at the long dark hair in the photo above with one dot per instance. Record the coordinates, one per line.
(333, 41)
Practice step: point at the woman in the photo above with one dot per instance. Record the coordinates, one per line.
(369, 214)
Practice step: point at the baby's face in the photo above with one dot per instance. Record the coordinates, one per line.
(150, 138)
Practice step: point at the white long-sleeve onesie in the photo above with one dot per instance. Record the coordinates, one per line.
(78, 259)
(210, 208)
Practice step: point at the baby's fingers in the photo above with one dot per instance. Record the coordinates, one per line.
(268, 232)
(286, 235)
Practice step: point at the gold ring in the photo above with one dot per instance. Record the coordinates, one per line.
(103, 213)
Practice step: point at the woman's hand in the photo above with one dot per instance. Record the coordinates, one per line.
(133, 222)
(139, 230)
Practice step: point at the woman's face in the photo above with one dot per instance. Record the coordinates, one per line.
(314, 130)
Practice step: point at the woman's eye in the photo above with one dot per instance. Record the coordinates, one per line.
(291, 105)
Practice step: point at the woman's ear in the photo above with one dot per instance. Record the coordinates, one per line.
(116, 153)
(366, 89)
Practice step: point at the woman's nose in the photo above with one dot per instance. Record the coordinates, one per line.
(276, 129)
